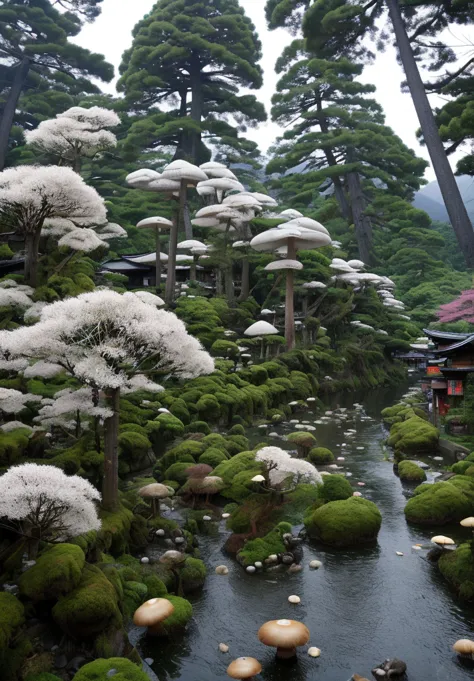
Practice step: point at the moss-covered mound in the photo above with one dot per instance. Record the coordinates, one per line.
(334, 488)
(457, 567)
(183, 611)
(410, 472)
(415, 435)
(259, 549)
(441, 503)
(193, 575)
(118, 668)
(304, 442)
(57, 572)
(12, 614)
(349, 522)
(90, 608)
(320, 455)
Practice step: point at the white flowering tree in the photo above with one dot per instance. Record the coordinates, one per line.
(31, 195)
(42, 503)
(75, 134)
(281, 468)
(106, 340)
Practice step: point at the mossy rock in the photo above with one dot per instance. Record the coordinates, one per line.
(170, 426)
(198, 427)
(57, 572)
(461, 467)
(101, 670)
(244, 461)
(457, 567)
(114, 534)
(176, 623)
(42, 676)
(349, 522)
(414, 436)
(259, 549)
(12, 616)
(442, 502)
(410, 472)
(90, 608)
(13, 445)
(241, 486)
(334, 488)
(178, 472)
(156, 587)
(213, 457)
(113, 576)
(193, 575)
(320, 455)
(133, 446)
(237, 429)
(304, 442)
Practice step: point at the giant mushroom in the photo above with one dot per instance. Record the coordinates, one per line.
(285, 635)
(155, 491)
(260, 329)
(158, 224)
(244, 668)
(152, 613)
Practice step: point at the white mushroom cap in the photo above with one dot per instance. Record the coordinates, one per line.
(258, 478)
(205, 191)
(214, 169)
(314, 284)
(240, 244)
(261, 329)
(266, 311)
(189, 244)
(155, 491)
(166, 186)
(210, 211)
(264, 199)
(141, 178)
(356, 264)
(290, 214)
(441, 540)
(182, 170)
(284, 265)
(308, 223)
(277, 238)
(241, 200)
(155, 221)
(205, 222)
(222, 184)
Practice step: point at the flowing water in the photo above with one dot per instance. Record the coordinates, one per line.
(361, 607)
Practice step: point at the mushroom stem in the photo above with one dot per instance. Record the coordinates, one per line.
(158, 260)
(173, 242)
(192, 273)
(289, 300)
(285, 653)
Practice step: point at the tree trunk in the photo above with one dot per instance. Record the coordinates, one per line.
(245, 286)
(229, 286)
(32, 240)
(331, 159)
(219, 282)
(111, 429)
(451, 195)
(196, 106)
(289, 299)
(158, 259)
(8, 114)
(171, 276)
(363, 227)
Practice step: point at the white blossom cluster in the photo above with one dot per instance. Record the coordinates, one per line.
(103, 338)
(13, 401)
(281, 466)
(69, 401)
(45, 499)
(42, 369)
(14, 297)
(76, 132)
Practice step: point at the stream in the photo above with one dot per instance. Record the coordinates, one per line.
(361, 607)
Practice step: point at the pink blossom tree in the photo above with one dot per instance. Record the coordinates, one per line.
(460, 309)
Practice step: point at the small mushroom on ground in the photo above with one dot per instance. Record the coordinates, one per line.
(464, 647)
(314, 652)
(174, 560)
(315, 564)
(441, 540)
(294, 600)
(251, 569)
(160, 533)
(155, 492)
(244, 668)
(258, 478)
(285, 635)
(225, 515)
(152, 613)
(222, 570)
(144, 560)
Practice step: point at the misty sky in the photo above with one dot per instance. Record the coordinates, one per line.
(111, 35)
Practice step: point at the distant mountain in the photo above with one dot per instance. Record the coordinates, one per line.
(430, 200)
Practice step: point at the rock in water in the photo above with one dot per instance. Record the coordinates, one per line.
(223, 647)
(315, 564)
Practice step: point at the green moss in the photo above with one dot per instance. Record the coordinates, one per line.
(413, 436)
(42, 676)
(241, 486)
(461, 467)
(132, 428)
(90, 608)
(208, 408)
(244, 461)
(177, 471)
(213, 457)
(297, 503)
(99, 670)
(457, 567)
(12, 616)
(114, 534)
(193, 575)
(13, 445)
(237, 444)
(320, 455)
(441, 503)
(198, 427)
(259, 549)
(304, 442)
(56, 573)
(349, 522)
(156, 587)
(133, 445)
(409, 471)
(334, 488)
(170, 426)
(238, 429)
(183, 611)
(225, 348)
(113, 576)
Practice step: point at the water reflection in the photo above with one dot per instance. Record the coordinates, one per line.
(361, 607)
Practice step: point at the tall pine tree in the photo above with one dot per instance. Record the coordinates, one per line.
(189, 58)
(35, 53)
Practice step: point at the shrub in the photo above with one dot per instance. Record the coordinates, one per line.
(213, 457)
(237, 430)
(320, 455)
(259, 549)
(12, 615)
(208, 408)
(441, 503)
(457, 567)
(349, 522)
(100, 670)
(409, 471)
(334, 488)
(170, 426)
(225, 348)
(198, 427)
(193, 575)
(156, 587)
(57, 572)
(461, 467)
(244, 461)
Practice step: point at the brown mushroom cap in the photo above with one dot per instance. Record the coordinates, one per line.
(172, 558)
(155, 491)
(283, 634)
(464, 646)
(200, 470)
(442, 540)
(153, 612)
(244, 668)
(467, 522)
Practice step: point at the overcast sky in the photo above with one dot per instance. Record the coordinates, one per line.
(111, 35)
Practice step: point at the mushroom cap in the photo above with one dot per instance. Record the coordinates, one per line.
(467, 522)
(211, 211)
(284, 265)
(172, 557)
(261, 328)
(156, 221)
(149, 258)
(214, 169)
(155, 491)
(356, 264)
(240, 244)
(224, 184)
(267, 311)
(258, 478)
(199, 470)
(464, 646)
(241, 200)
(183, 170)
(205, 222)
(290, 214)
(189, 244)
(244, 668)
(308, 223)
(152, 612)
(165, 185)
(441, 540)
(141, 178)
(264, 199)
(278, 237)
(284, 634)
(314, 284)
